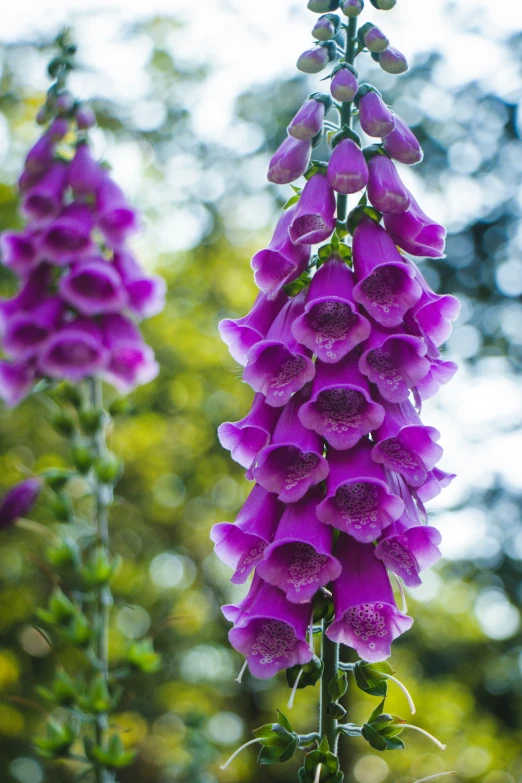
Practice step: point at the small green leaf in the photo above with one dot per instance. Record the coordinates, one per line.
(291, 201)
(338, 686)
(283, 720)
(350, 729)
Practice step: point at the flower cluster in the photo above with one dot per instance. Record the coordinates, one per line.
(340, 348)
(81, 289)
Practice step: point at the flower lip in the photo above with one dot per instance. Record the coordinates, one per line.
(93, 287)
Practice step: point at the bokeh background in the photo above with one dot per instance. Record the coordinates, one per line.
(192, 99)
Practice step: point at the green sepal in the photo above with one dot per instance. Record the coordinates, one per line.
(323, 98)
(342, 65)
(91, 421)
(350, 729)
(82, 458)
(98, 698)
(57, 478)
(108, 469)
(318, 139)
(363, 89)
(323, 604)
(64, 424)
(335, 710)
(291, 201)
(57, 740)
(62, 691)
(279, 742)
(382, 730)
(70, 393)
(338, 686)
(357, 214)
(143, 657)
(312, 673)
(368, 679)
(316, 167)
(374, 149)
(115, 756)
(296, 286)
(61, 607)
(78, 631)
(119, 406)
(100, 568)
(65, 553)
(345, 133)
(330, 772)
(61, 507)
(363, 29)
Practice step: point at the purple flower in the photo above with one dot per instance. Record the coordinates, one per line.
(358, 499)
(375, 117)
(393, 61)
(40, 156)
(74, 352)
(146, 295)
(19, 251)
(68, 238)
(27, 333)
(406, 550)
(385, 189)
(282, 261)
(341, 408)
(290, 161)
(294, 460)
(405, 445)
(269, 630)
(299, 560)
(432, 314)
(131, 361)
(278, 366)
(44, 200)
(85, 117)
(93, 287)
(16, 380)
(435, 482)
(30, 296)
(241, 334)
(402, 145)
(416, 233)
(315, 59)
(386, 287)
(440, 372)
(344, 84)
(85, 174)
(242, 545)
(366, 617)
(395, 362)
(347, 168)
(314, 217)
(115, 218)
(308, 121)
(244, 439)
(19, 501)
(330, 325)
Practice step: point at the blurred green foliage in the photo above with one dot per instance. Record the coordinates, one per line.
(189, 716)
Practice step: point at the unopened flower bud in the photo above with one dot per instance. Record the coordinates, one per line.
(347, 168)
(326, 27)
(322, 6)
(314, 60)
(392, 61)
(289, 161)
(375, 117)
(384, 5)
(344, 84)
(308, 121)
(64, 102)
(402, 145)
(352, 8)
(85, 117)
(373, 38)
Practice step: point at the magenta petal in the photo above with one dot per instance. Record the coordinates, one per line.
(93, 287)
(416, 233)
(131, 362)
(405, 445)
(435, 482)
(408, 551)
(366, 617)
(115, 218)
(330, 325)
(146, 295)
(31, 295)
(308, 121)
(402, 145)
(241, 545)
(74, 352)
(16, 380)
(440, 372)
(385, 188)
(85, 174)
(341, 408)
(299, 560)
(69, 236)
(314, 217)
(359, 501)
(395, 362)
(28, 332)
(347, 168)
(282, 261)
(43, 201)
(290, 161)
(241, 334)
(432, 315)
(19, 251)
(294, 460)
(19, 501)
(245, 438)
(375, 117)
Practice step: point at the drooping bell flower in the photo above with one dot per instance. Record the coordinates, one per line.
(44, 200)
(245, 439)
(299, 560)
(440, 373)
(396, 362)
(145, 294)
(18, 501)
(344, 83)
(330, 326)
(270, 631)
(386, 287)
(407, 550)
(85, 174)
(131, 361)
(316, 59)
(405, 445)
(314, 218)
(373, 38)
(281, 261)
(347, 168)
(308, 121)
(278, 366)
(385, 188)
(392, 61)
(341, 408)
(28, 332)
(290, 161)
(293, 461)
(358, 500)
(31, 295)
(366, 616)
(75, 351)
(416, 233)
(432, 314)
(93, 287)
(115, 218)
(68, 238)
(16, 380)
(242, 545)
(241, 334)
(402, 145)
(375, 117)
(19, 251)
(436, 481)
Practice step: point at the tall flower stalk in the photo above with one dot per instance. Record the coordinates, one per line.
(72, 326)
(341, 348)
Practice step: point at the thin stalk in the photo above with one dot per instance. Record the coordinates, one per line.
(327, 725)
(346, 108)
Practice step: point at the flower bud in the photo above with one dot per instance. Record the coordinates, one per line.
(384, 5)
(290, 161)
(326, 27)
(347, 169)
(322, 6)
(344, 83)
(402, 145)
(392, 61)
(314, 60)
(375, 117)
(85, 117)
(64, 102)
(308, 121)
(352, 8)
(373, 38)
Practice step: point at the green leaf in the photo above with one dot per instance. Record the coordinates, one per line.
(291, 201)
(142, 656)
(377, 711)
(312, 673)
(350, 729)
(268, 755)
(338, 686)
(283, 720)
(373, 737)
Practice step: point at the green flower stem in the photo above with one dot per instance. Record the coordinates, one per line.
(327, 725)
(346, 108)
(103, 498)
